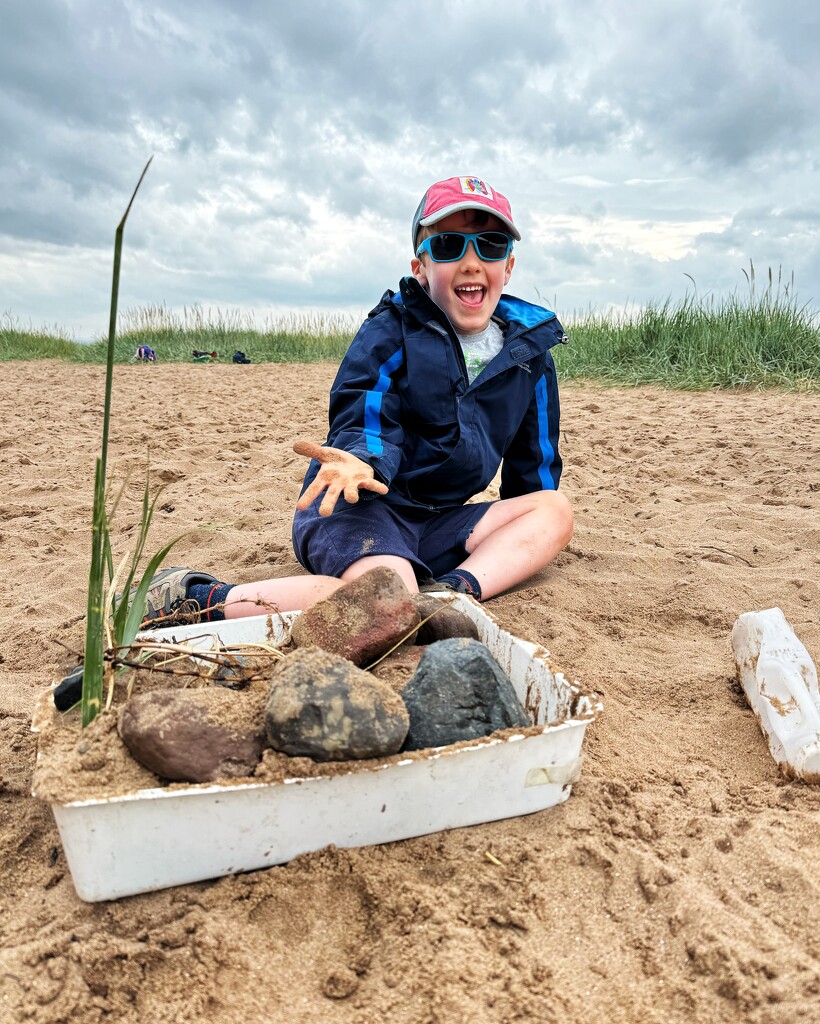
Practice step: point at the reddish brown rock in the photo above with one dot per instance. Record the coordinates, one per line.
(194, 735)
(447, 622)
(322, 706)
(361, 620)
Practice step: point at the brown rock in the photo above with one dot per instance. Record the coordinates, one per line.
(322, 706)
(447, 622)
(194, 735)
(361, 620)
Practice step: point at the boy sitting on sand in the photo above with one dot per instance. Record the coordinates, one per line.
(446, 380)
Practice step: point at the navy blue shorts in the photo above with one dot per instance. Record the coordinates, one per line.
(434, 542)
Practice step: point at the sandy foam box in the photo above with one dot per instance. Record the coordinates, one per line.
(155, 838)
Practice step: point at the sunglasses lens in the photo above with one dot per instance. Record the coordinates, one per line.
(451, 245)
(493, 245)
(446, 247)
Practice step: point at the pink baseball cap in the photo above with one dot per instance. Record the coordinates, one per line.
(468, 193)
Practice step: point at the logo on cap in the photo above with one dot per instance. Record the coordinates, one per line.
(473, 186)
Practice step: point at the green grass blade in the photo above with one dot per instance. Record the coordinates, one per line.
(146, 519)
(112, 320)
(93, 666)
(136, 611)
(109, 555)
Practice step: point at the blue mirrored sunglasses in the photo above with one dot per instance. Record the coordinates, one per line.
(450, 246)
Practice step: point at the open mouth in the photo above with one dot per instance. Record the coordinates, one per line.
(471, 294)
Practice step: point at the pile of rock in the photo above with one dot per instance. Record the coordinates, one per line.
(323, 703)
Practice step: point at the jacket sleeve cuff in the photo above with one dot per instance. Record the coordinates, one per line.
(380, 464)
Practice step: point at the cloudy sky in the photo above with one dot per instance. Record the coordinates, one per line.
(641, 145)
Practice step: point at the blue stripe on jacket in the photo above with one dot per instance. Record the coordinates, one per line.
(373, 403)
(547, 451)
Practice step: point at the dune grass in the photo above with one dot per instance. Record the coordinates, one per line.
(699, 344)
(757, 341)
(25, 343)
(174, 336)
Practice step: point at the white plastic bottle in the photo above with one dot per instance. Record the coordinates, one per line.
(780, 682)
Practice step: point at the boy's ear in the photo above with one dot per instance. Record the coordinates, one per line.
(510, 265)
(418, 271)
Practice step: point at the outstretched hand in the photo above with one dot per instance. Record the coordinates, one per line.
(339, 473)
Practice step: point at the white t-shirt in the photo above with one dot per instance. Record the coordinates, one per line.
(480, 349)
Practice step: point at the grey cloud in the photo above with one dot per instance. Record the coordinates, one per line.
(754, 226)
(783, 242)
(695, 77)
(256, 110)
(567, 252)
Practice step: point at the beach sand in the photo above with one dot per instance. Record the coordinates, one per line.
(679, 882)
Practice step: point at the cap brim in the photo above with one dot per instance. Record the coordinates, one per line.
(470, 205)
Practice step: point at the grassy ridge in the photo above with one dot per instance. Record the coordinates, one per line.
(764, 341)
(20, 344)
(696, 345)
(173, 336)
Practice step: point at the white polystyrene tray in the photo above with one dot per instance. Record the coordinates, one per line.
(154, 838)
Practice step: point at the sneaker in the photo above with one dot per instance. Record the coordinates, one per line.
(167, 598)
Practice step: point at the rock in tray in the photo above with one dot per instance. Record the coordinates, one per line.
(361, 620)
(459, 692)
(446, 622)
(194, 735)
(322, 706)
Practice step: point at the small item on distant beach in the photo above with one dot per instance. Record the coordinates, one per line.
(204, 357)
(240, 357)
(780, 682)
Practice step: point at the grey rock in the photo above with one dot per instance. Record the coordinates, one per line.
(322, 706)
(194, 735)
(361, 620)
(445, 624)
(459, 692)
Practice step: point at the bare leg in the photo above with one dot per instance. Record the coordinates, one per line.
(510, 543)
(295, 593)
(401, 566)
(516, 538)
(291, 593)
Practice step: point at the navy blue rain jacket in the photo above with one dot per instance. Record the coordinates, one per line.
(401, 402)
